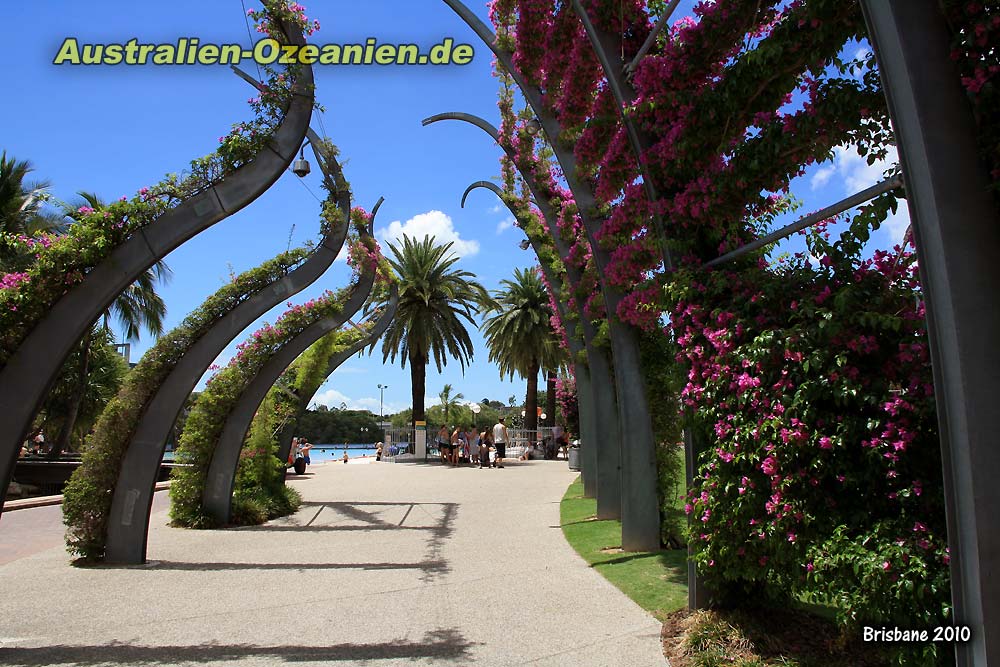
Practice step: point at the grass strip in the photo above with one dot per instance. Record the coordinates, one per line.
(656, 581)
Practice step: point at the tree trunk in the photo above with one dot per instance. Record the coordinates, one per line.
(418, 382)
(531, 399)
(62, 442)
(550, 399)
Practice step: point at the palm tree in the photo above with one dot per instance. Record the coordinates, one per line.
(434, 299)
(21, 206)
(520, 335)
(450, 404)
(138, 307)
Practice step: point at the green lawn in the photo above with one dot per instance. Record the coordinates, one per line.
(656, 581)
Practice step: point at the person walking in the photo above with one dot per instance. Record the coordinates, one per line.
(500, 440)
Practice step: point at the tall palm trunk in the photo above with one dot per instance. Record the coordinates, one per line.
(550, 399)
(531, 399)
(62, 442)
(418, 385)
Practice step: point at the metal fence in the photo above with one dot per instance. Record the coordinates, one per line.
(397, 441)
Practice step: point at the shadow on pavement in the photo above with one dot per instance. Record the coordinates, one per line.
(431, 566)
(434, 519)
(445, 644)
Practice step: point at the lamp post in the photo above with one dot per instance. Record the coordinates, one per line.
(381, 415)
(476, 409)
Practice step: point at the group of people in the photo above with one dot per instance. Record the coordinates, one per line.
(36, 447)
(464, 444)
(300, 448)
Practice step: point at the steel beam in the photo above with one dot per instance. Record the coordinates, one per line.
(808, 221)
(605, 402)
(31, 370)
(957, 234)
(385, 319)
(657, 29)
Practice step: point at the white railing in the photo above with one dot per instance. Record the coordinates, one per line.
(397, 441)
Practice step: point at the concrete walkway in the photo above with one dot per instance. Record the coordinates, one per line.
(385, 565)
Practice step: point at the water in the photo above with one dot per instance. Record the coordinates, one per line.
(321, 453)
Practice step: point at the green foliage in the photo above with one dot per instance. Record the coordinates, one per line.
(106, 371)
(660, 373)
(259, 492)
(333, 427)
(518, 332)
(821, 471)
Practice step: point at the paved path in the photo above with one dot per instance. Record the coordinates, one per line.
(384, 565)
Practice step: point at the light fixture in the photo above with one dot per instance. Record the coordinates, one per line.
(533, 127)
(301, 166)
(525, 244)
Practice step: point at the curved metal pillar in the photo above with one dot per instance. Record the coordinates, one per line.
(128, 523)
(614, 71)
(640, 503)
(31, 370)
(588, 431)
(605, 401)
(957, 234)
(385, 319)
(608, 454)
(218, 494)
(606, 450)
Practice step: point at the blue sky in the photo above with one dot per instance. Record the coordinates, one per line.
(113, 130)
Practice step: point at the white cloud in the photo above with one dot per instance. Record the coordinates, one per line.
(822, 177)
(504, 225)
(498, 208)
(333, 399)
(350, 370)
(853, 171)
(897, 223)
(432, 223)
(853, 174)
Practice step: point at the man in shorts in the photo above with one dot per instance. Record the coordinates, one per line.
(500, 440)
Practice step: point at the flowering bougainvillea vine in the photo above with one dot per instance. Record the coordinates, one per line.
(807, 378)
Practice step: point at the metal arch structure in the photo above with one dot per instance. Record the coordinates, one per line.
(611, 476)
(640, 505)
(218, 493)
(584, 390)
(614, 71)
(32, 369)
(378, 328)
(128, 522)
(957, 236)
